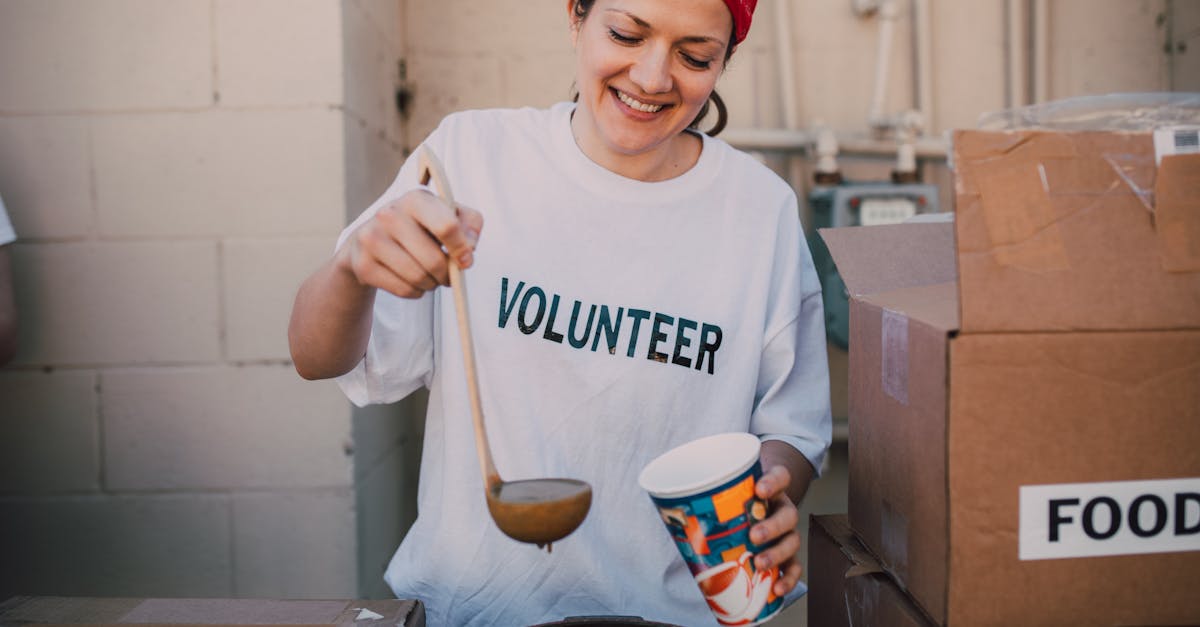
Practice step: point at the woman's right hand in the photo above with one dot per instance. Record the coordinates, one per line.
(405, 247)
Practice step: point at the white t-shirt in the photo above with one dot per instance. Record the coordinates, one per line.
(7, 234)
(613, 320)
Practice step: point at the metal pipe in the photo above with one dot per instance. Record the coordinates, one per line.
(1014, 45)
(798, 141)
(887, 19)
(787, 66)
(793, 167)
(923, 34)
(1041, 51)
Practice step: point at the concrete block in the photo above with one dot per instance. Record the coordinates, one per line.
(969, 72)
(261, 278)
(227, 173)
(49, 438)
(381, 430)
(1185, 68)
(835, 64)
(387, 507)
(378, 431)
(538, 81)
(44, 175)
(278, 52)
(223, 427)
(295, 544)
(762, 36)
(1119, 50)
(107, 303)
(387, 16)
(750, 89)
(445, 84)
(372, 161)
(64, 55)
(166, 546)
(372, 71)
(471, 27)
(388, 443)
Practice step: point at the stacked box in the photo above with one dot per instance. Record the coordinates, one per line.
(1025, 385)
(846, 584)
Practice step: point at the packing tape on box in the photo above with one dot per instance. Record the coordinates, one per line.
(894, 356)
(1019, 216)
(1136, 173)
(1177, 212)
(1166, 185)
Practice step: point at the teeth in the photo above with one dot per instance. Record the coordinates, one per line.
(640, 106)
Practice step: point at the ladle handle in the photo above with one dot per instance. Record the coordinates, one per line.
(431, 168)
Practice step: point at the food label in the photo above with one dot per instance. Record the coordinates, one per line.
(1113, 518)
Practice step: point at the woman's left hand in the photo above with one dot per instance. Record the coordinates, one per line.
(780, 525)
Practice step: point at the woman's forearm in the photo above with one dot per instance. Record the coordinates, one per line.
(777, 453)
(331, 322)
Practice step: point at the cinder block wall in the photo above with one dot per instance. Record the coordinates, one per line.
(173, 170)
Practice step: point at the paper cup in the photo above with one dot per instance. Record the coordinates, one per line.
(704, 491)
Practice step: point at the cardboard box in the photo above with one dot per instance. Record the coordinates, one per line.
(1020, 376)
(847, 586)
(124, 611)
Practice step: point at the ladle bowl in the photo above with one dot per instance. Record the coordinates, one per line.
(537, 511)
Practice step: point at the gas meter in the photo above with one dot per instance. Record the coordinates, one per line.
(857, 204)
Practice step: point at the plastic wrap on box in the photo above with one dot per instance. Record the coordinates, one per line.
(1110, 112)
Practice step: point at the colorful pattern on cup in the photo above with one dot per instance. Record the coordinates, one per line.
(712, 532)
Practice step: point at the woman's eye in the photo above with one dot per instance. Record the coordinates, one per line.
(696, 63)
(622, 39)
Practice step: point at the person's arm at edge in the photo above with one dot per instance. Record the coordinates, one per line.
(331, 321)
(8, 309)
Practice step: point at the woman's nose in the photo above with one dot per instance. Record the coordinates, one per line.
(651, 71)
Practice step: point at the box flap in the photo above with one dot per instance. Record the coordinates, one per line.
(936, 305)
(1177, 212)
(879, 258)
(842, 591)
(1061, 231)
(838, 527)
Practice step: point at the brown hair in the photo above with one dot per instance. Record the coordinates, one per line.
(581, 8)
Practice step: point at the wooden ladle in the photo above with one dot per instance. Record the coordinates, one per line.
(538, 511)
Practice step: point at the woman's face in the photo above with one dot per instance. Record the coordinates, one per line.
(644, 69)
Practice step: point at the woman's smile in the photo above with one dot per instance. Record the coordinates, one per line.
(638, 105)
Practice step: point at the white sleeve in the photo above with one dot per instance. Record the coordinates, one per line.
(400, 351)
(792, 397)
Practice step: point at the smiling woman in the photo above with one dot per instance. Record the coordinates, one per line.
(645, 72)
(639, 284)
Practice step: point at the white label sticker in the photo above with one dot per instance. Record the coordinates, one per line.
(1114, 518)
(876, 211)
(1175, 140)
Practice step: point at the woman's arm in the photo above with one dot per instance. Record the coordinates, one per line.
(403, 249)
(800, 471)
(331, 321)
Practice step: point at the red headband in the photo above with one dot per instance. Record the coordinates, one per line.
(742, 11)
